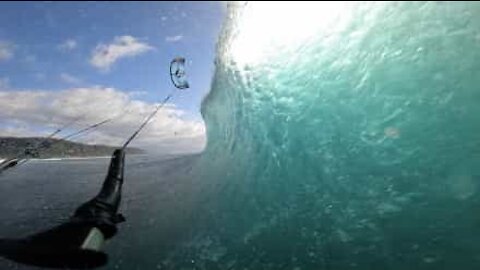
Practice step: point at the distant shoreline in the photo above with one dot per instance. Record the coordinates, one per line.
(78, 158)
(70, 158)
(39, 148)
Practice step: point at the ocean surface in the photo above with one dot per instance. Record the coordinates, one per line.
(42, 194)
(340, 136)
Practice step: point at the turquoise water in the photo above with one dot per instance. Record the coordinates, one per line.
(340, 136)
(353, 145)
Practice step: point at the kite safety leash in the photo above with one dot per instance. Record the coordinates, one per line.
(147, 120)
(179, 80)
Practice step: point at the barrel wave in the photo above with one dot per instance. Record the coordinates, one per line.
(341, 136)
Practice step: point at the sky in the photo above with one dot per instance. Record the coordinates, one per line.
(77, 63)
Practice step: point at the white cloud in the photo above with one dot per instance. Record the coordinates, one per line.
(174, 38)
(105, 55)
(18, 131)
(137, 93)
(68, 45)
(6, 50)
(23, 112)
(65, 77)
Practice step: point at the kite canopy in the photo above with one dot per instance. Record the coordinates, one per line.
(177, 73)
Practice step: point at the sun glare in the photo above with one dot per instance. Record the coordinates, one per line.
(265, 29)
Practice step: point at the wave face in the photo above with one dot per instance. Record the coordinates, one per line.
(342, 136)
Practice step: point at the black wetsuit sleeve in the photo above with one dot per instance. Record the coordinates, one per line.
(76, 243)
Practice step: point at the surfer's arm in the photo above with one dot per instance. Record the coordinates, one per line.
(78, 242)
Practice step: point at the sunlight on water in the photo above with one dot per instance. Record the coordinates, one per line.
(266, 29)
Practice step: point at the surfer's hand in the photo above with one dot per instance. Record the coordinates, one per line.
(78, 242)
(102, 211)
